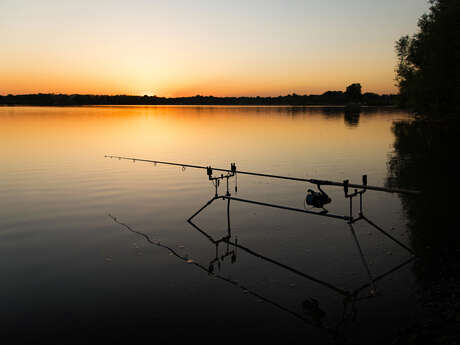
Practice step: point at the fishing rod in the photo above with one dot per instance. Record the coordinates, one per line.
(309, 180)
(315, 199)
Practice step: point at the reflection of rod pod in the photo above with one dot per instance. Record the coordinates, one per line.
(349, 298)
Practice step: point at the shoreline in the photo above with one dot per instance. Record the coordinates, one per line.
(204, 105)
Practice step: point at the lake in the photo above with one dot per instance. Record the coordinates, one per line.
(99, 248)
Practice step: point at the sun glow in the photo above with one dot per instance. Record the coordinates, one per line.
(208, 48)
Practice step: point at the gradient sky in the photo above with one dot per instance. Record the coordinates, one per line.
(207, 47)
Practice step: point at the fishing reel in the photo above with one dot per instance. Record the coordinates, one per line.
(317, 199)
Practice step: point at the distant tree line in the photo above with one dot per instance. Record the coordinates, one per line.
(428, 71)
(327, 98)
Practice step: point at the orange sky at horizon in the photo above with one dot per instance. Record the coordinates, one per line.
(267, 48)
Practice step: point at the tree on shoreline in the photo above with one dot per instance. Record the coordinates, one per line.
(353, 92)
(428, 71)
(327, 98)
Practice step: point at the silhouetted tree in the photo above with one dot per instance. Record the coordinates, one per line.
(428, 71)
(353, 92)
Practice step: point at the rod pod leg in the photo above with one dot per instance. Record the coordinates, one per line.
(388, 235)
(202, 208)
(363, 260)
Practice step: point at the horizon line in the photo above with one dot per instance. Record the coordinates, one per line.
(191, 96)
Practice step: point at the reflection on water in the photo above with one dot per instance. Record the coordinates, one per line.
(69, 266)
(312, 314)
(352, 118)
(423, 159)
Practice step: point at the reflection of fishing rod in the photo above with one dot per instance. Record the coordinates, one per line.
(310, 305)
(235, 283)
(313, 181)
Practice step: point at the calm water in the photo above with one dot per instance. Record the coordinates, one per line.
(70, 272)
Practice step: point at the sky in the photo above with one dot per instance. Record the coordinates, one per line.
(208, 47)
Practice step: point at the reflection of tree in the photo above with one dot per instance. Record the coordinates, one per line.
(351, 118)
(424, 158)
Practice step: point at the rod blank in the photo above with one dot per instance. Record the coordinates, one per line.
(313, 181)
